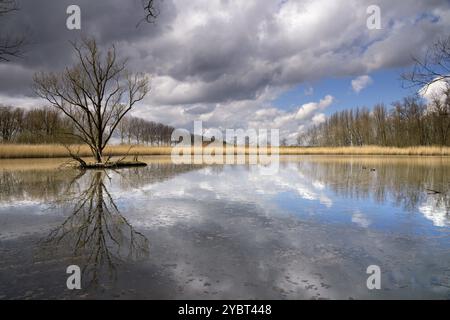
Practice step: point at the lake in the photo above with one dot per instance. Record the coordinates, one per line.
(227, 232)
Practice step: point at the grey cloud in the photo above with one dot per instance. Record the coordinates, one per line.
(43, 23)
(217, 51)
(200, 109)
(238, 57)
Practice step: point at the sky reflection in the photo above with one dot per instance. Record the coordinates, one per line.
(227, 232)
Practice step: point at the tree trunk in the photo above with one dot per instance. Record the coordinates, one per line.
(98, 156)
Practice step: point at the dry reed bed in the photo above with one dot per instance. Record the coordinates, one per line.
(369, 151)
(20, 151)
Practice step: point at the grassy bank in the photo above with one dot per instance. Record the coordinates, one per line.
(18, 151)
(368, 151)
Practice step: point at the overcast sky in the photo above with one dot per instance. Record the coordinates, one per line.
(236, 63)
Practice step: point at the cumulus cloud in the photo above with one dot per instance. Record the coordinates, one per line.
(246, 114)
(318, 119)
(434, 90)
(25, 102)
(361, 83)
(222, 61)
(306, 110)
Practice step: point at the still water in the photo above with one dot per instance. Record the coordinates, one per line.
(227, 232)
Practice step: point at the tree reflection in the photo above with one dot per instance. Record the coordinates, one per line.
(97, 233)
(404, 181)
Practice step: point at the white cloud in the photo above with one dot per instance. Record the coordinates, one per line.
(255, 114)
(224, 62)
(361, 83)
(204, 57)
(361, 220)
(308, 109)
(319, 118)
(436, 211)
(22, 101)
(237, 74)
(434, 91)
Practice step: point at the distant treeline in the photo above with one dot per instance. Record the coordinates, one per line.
(140, 131)
(34, 126)
(410, 122)
(47, 125)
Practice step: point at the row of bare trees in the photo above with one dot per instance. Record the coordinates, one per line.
(48, 125)
(43, 125)
(140, 131)
(93, 96)
(410, 122)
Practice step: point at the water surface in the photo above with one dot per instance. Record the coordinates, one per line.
(227, 232)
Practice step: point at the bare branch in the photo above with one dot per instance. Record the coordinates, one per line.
(91, 93)
(432, 68)
(7, 6)
(151, 11)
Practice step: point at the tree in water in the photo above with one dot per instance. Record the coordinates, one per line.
(95, 94)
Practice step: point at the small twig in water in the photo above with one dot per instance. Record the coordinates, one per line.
(430, 191)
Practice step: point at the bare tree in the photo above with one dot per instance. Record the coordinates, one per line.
(95, 94)
(141, 131)
(150, 9)
(7, 6)
(124, 130)
(380, 115)
(408, 123)
(439, 112)
(9, 46)
(434, 67)
(10, 123)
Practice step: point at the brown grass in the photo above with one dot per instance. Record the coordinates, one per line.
(368, 150)
(19, 151)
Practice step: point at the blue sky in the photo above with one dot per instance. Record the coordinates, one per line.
(387, 87)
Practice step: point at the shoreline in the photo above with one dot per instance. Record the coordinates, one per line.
(22, 151)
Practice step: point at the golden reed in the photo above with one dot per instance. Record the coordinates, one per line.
(21, 151)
